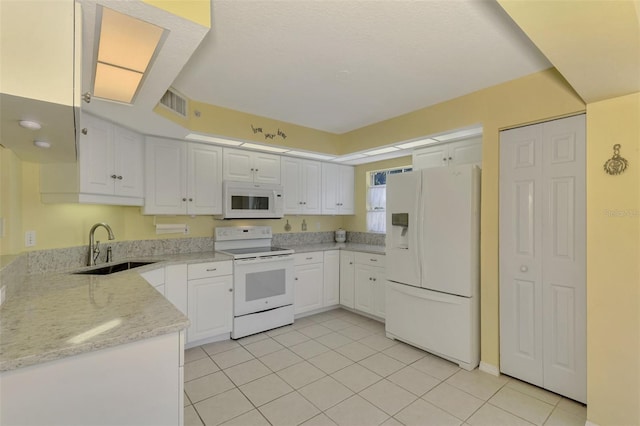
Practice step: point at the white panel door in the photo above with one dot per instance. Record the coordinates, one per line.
(432, 156)
(290, 168)
(266, 167)
(210, 304)
(165, 177)
(308, 291)
(331, 277)
(564, 257)
(97, 174)
(311, 194)
(347, 278)
(521, 342)
(238, 165)
(364, 294)
(129, 163)
(204, 181)
(542, 255)
(468, 151)
(330, 179)
(346, 189)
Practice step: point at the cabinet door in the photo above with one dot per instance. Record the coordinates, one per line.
(129, 163)
(346, 185)
(165, 177)
(311, 182)
(175, 286)
(379, 300)
(204, 179)
(364, 298)
(466, 152)
(291, 185)
(331, 278)
(432, 156)
(347, 277)
(308, 287)
(330, 180)
(97, 174)
(266, 168)
(238, 165)
(210, 307)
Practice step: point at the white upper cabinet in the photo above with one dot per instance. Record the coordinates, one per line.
(337, 189)
(251, 166)
(468, 151)
(301, 182)
(182, 178)
(110, 168)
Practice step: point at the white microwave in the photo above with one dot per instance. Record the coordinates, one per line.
(246, 200)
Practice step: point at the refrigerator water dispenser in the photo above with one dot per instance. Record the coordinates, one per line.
(400, 226)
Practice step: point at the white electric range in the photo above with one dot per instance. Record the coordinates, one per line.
(262, 279)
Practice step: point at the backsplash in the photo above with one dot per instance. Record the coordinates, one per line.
(64, 259)
(75, 257)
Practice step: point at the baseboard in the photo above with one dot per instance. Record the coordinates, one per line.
(489, 369)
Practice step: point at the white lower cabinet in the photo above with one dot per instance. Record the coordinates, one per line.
(369, 284)
(204, 293)
(210, 299)
(308, 284)
(347, 278)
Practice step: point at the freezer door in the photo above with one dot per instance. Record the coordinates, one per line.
(402, 251)
(450, 230)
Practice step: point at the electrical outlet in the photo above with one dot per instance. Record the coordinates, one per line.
(30, 238)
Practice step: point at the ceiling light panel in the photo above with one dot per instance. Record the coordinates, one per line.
(115, 83)
(381, 151)
(212, 139)
(127, 42)
(458, 135)
(415, 144)
(264, 147)
(310, 155)
(349, 158)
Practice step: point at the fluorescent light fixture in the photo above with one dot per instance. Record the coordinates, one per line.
(31, 125)
(125, 49)
(459, 134)
(42, 144)
(212, 139)
(349, 158)
(264, 147)
(381, 151)
(310, 155)
(414, 144)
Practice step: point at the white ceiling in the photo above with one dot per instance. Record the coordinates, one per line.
(341, 65)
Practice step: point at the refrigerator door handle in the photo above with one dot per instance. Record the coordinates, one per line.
(419, 215)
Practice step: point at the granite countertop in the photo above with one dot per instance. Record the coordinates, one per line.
(56, 315)
(366, 248)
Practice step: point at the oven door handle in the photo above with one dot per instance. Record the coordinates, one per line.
(269, 259)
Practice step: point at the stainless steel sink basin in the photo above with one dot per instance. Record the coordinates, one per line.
(110, 269)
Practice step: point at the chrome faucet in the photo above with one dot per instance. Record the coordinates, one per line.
(94, 251)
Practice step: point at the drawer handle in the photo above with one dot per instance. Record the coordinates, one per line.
(296, 278)
(373, 260)
(309, 258)
(212, 269)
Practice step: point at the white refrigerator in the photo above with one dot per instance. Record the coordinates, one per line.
(432, 257)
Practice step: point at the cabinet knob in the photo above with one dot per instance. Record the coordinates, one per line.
(296, 278)
(369, 278)
(374, 279)
(184, 199)
(256, 170)
(113, 176)
(444, 159)
(84, 131)
(450, 158)
(230, 290)
(119, 177)
(252, 169)
(350, 263)
(190, 199)
(524, 268)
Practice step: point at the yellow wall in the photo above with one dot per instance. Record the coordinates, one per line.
(10, 202)
(198, 11)
(613, 264)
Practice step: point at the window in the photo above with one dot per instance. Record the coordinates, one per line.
(377, 197)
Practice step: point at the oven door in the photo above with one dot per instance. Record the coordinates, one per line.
(261, 284)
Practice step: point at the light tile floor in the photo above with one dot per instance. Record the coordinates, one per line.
(338, 368)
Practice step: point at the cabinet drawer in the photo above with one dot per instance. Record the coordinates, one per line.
(370, 259)
(307, 258)
(209, 269)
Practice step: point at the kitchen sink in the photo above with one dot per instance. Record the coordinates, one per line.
(111, 269)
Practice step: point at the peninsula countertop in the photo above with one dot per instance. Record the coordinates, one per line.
(56, 315)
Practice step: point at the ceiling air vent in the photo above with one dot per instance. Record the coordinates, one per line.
(175, 102)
